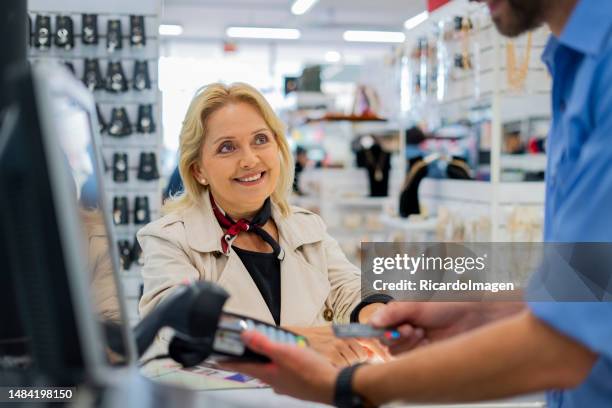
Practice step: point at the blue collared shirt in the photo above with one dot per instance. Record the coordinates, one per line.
(578, 205)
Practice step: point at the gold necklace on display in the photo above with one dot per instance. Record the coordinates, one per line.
(465, 30)
(517, 73)
(376, 165)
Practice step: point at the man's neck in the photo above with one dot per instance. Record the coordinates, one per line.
(559, 12)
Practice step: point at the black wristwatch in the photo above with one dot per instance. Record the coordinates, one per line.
(344, 396)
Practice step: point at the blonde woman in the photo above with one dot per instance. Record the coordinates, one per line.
(233, 226)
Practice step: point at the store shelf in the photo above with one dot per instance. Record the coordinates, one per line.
(524, 162)
(330, 117)
(409, 225)
(363, 201)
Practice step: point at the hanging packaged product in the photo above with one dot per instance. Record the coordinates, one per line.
(102, 126)
(137, 256)
(116, 81)
(89, 29)
(125, 254)
(462, 61)
(147, 168)
(64, 32)
(145, 122)
(120, 124)
(137, 31)
(120, 210)
(92, 76)
(142, 212)
(70, 66)
(42, 32)
(141, 78)
(462, 24)
(120, 167)
(113, 36)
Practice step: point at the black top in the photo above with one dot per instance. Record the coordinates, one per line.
(264, 269)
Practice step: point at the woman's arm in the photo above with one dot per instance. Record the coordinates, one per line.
(344, 279)
(166, 266)
(367, 311)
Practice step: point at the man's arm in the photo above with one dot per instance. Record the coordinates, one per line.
(435, 321)
(514, 356)
(517, 355)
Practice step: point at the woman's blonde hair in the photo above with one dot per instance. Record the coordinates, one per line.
(208, 100)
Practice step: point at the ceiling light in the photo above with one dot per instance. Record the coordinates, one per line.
(416, 20)
(262, 32)
(170, 29)
(374, 36)
(301, 6)
(332, 56)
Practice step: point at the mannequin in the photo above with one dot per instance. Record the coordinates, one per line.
(457, 168)
(409, 197)
(378, 164)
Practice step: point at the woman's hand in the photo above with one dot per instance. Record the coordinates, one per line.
(295, 371)
(339, 352)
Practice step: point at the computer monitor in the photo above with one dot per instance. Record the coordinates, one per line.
(59, 243)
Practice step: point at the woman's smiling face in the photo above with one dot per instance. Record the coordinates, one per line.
(239, 160)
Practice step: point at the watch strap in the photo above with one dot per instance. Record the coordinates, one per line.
(344, 396)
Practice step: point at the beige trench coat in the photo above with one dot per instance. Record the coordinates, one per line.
(318, 283)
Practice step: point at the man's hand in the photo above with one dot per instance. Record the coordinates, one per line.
(298, 372)
(422, 322)
(340, 352)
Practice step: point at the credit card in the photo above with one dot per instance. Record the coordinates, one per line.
(364, 331)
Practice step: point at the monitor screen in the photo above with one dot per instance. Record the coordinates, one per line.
(78, 147)
(58, 254)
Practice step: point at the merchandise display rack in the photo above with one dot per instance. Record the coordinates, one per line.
(457, 66)
(133, 189)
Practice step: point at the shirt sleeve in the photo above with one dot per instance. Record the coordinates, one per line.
(166, 267)
(584, 216)
(344, 279)
(585, 180)
(589, 323)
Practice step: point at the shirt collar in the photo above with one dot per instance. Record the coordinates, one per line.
(588, 27)
(203, 232)
(548, 56)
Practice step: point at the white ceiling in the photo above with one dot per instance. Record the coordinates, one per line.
(322, 24)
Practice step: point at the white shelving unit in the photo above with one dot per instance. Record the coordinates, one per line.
(338, 195)
(484, 85)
